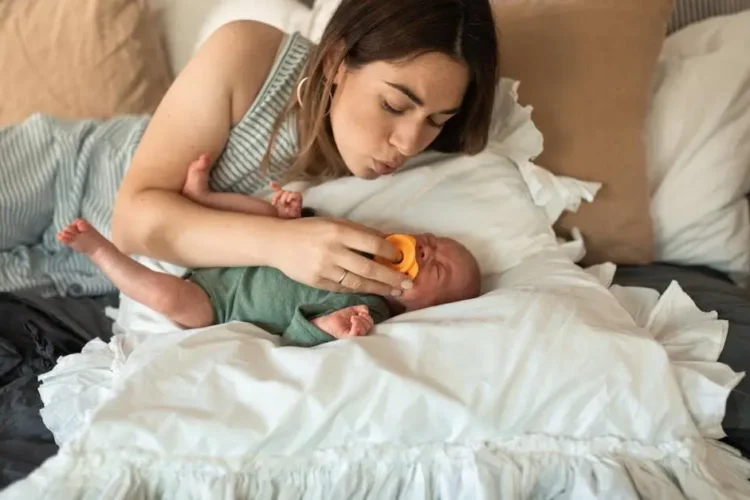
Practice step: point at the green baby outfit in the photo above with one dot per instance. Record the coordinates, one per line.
(267, 298)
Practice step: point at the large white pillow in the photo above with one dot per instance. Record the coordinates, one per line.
(188, 23)
(698, 136)
(321, 13)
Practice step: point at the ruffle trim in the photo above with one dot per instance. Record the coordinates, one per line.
(514, 135)
(519, 467)
(693, 340)
(78, 384)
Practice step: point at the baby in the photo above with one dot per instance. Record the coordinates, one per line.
(264, 296)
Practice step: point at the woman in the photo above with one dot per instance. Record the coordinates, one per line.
(389, 79)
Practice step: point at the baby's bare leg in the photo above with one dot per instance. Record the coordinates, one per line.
(181, 301)
(196, 189)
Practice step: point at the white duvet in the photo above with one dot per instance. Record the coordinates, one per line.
(551, 385)
(545, 387)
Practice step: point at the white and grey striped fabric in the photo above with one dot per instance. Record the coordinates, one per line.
(691, 11)
(53, 171)
(237, 168)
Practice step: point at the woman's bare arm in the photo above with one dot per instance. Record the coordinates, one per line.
(211, 94)
(152, 218)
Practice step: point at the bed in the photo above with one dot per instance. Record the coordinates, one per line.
(484, 458)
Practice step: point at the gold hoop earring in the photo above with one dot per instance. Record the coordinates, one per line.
(299, 90)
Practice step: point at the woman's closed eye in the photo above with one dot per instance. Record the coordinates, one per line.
(391, 109)
(398, 112)
(435, 124)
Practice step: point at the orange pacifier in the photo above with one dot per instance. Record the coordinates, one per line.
(407, 245)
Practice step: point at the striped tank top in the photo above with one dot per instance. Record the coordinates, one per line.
(54, 171)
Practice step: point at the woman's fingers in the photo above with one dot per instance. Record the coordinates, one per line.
(367, 276)
(355, 226)
(331, 286)
(332, 247)
(364, 274)
(353, 283)
(368, 241)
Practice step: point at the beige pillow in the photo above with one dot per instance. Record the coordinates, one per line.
(79, 59)
(586, 67)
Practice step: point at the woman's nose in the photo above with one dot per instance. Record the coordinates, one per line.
(407, 140)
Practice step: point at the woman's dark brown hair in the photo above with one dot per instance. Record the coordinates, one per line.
(365, 31)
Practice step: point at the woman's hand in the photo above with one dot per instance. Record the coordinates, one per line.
(322, 253)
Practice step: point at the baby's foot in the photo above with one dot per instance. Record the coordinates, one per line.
(82, 237)
(196, 184)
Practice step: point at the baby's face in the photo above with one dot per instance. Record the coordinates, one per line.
(448, 272)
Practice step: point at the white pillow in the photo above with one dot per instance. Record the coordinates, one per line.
(189, 23)
(321, 13)
(481, 201)
(698, 136)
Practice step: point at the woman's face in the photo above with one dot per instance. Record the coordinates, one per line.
(386, 112)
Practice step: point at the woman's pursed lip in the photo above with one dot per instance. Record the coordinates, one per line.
(383, 167)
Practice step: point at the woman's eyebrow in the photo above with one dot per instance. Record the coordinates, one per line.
(417, 100)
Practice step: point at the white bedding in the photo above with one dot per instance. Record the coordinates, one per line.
(544, 387)
(549, 385)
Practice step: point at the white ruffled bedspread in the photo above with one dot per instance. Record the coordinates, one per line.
(548, 387)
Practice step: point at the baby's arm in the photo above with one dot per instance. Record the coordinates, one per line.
(315, 324)
(286, 204)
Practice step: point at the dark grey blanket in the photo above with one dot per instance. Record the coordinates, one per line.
(34, 332)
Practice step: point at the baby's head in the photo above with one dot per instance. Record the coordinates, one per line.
(448, 272)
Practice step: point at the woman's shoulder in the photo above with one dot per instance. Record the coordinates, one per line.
(246, 51)
(266, 84)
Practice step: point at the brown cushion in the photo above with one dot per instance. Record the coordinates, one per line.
(79, 59)
(586, 67)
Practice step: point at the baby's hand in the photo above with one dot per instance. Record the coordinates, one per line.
(354, 321)
(288, 203)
